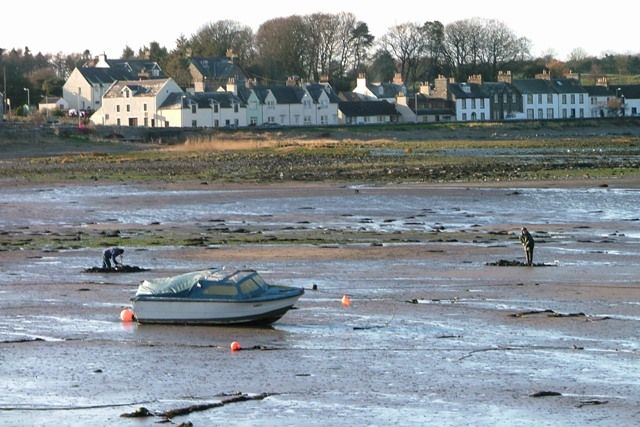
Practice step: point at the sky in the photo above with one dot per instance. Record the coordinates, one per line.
(555, 27)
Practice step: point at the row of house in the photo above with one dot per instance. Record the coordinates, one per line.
(138, 93)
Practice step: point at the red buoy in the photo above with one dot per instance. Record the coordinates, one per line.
(235, 346)
(127, 315)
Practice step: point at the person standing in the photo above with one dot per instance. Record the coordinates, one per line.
(111, 254)
(527, 243)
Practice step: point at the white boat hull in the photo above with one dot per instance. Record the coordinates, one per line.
(198, 311)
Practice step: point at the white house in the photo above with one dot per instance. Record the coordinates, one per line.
(472, 102)
(600, 101)
(325, 103)
(367, 112)
(86, 85)
(204, 109)
(380, 91)
(573, 99)
(136, 103)
(629, 96)
(53, 103)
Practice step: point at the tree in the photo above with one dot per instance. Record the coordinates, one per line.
(127, 53)
(216, 38)
(382, 67)
(406, 43)
(281, 46)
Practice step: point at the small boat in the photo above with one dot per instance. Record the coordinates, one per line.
(213, 297)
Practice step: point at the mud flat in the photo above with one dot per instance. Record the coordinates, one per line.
(433, 335)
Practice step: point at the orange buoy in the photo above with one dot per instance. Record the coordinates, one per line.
(346, 301)
(235, 346)
(127, 315)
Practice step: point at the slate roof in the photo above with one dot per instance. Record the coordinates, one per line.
(533, 86)
(386, 90)
(104, 76)
(135, 67)
(599, 91)
(566, 86)
(493, 88)
(629, 91)
(475, 90)
(147, 88)
(218, 68)
(351, 97)
(225, 99)
(316, 90)
(367, 108)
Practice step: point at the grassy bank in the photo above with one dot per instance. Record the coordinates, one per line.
(442, 153)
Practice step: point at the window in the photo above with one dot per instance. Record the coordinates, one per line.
(106, 117)
(216, 123)
(530, 113)
(144, 107)
(549, 98)
(481, 102)
(564, 113)
(253, 121)
(474, 116)
(540, 113)
(236, 122)
(530, 99)
(582, 113)
(128, 108)
(118, 122)
(473, 103)
(564, 98)
(235, 108)
(504, 98)
(194, 123)
(146, 122)
(581, 98)
(539, 98)
(117, 108)
(549, 113)
(573, 98)
(216, 108)
(514, 98)
(464, 117)
(194, 108)
(482, 116)
(324, 120)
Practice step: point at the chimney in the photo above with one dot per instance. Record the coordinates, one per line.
(231, 55)
(397, 79)
(293, 81)
(545, 75)
(425, 89)
(504, 77)
(602, 81)
(102, 61)
(232, 86)
(572, 75)
(475, 78)
(441, 89)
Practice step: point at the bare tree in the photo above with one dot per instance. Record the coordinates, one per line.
(406, 43)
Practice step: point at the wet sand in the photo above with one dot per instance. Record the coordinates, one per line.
(433, 336)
